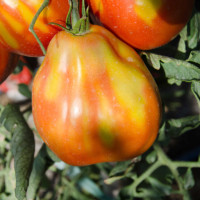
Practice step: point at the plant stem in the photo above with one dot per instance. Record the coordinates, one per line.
(187, 164)
(146, 174)
(8, 159)
(42, 7)
(164, 160)
(75, 12)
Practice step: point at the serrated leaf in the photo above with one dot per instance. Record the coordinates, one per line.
(182, 41)
(22, 147)
(40, 165)
(177, 127)
(176, 70)
(189, 180)
(24, 89)
(153, 60)
(194, 57)
(194, 27)
(181, 70)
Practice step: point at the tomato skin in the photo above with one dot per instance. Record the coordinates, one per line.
(143, 24)
(16, 17)
(94, 100)
(8, 63)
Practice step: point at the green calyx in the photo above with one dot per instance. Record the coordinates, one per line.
(74, 24)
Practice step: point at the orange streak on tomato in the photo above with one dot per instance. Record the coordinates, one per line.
(12, 21)
(28, 15)
(15, 21)
(7, 37)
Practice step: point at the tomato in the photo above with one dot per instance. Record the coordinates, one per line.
(10, 86)
(8, 63)
(144, 24)
(94, 100)
(24, 77)
(16, 17)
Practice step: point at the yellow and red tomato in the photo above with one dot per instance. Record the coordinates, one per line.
(144, 24)
(94, 100)
(15, 18)
(8, 61)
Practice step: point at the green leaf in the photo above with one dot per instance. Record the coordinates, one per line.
(52, 155)
(24, 89)
(90, 187)
(175, 70)
(182, 41)
(22, 147)
(19, 67)
(194, 31)
(153, 60)
(189, 180)
(10, 182)
(194, 57)
(195, 87)
(7, 197)
(161, 135)
(177, 127)
(178, 71)
(40, 165)
(120, 167)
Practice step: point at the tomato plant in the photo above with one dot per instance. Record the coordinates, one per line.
(16, 17)
(95, 88)
(8, 63)
(99, 100)
(144, 24)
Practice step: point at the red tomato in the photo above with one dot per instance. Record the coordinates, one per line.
(16, 17)
(94, 99)
(7, 64)
(25, 77)
(144, 24)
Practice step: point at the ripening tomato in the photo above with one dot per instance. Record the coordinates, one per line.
(94, 100)
(15, 18)
(144, 24)
(8, 61)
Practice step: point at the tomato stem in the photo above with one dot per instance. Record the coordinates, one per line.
(75, 17)
(75, 24)
(31, 27)
(78, 25)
